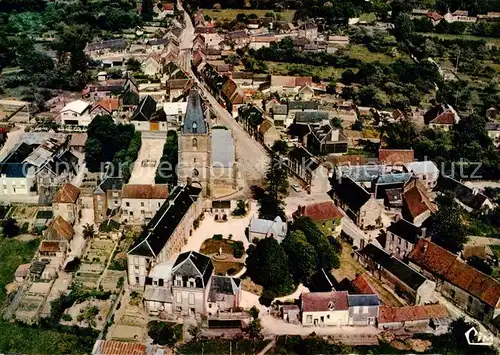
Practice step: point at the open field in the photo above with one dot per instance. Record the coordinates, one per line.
(322, 72)
(230, 14)
(12, 254)
(490, 40)
(359, 51)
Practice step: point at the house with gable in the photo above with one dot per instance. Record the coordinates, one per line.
(107, 198)
(152, 66)
(105, 106)
(441, 116)
(472, 291)
(165, 234)
(76, 113)
(324, 214)
(470, 199)
(65, 203)
(426, 171)
(263, 228)
(139, 203)
(147, 118)
(401, 238)
(325, 308)
(224, 294)
(233, 95)
(306, 167)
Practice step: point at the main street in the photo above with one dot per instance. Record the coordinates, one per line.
(251, 156)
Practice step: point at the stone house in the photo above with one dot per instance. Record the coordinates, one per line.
(324, 214)
(472, 291)
(224, 294)
(76, 113)
(107, 198)
(263, 41)
(363, 309)
(401, 238)
(324, 138)
(65, 203)
(325, 308)
(406, 282)
(233, 95)
(411, 316)
(166, 234)
(309, 31)
(426, 171)
(263, 228)
(77, 142)
(288, 84)
(358, 203)
(140, 203)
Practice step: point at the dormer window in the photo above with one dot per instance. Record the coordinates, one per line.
(330, 306)
(195, 127)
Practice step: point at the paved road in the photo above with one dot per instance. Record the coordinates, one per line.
(252, 157)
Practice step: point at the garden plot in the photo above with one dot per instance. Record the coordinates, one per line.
(32, 301)
(113, 280)
(91, 313)
(94, 262)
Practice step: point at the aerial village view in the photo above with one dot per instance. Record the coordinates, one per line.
(249, 177)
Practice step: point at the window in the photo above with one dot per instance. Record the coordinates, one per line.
(406, 244)
(195, 141)
(393, 237)
(136, 279)
(159, 204)
(309, 319)
(364, 309)
(191, 298)
(178, 309)
(127, 204)
(209, 305)
(194, 160)
(136, 267)
(178, 282)
(115, 194)
(178, 297)
(142, 204)
(355, 310)
(160, 282)
(131, 213)
(327, 316)
(424, 177)
(399, 241)
(195, 173)
(155, 283)
(191, 283)
(452, 293)
(116, 202)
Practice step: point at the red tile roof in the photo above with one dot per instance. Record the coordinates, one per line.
(396, 156)
(303, 80)
(362, 286)
(417, 202)
(434, 16)
(50, 246)
(109, 104)
(168, 6)
(67, 194)
(318, 212)
(59, 229)
(389, 314)
(447, 266)
(321, 301)
(112, 347)
(145, 191)
(447, 118)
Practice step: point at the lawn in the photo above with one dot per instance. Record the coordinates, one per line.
(230, 14)
(359, 51)
(12, 254)
(222, 267)
(322, 72)
(17, 338)
(491, 40)
(212, 246)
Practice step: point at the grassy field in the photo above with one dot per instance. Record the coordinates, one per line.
(12, 254)
(323, 72)
(491, 40)
(230, 14)
(359, 51)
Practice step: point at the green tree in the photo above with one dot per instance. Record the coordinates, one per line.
(271, 203)
(447, 229)
(254, 312)
(147, 10)
(403, 27)
(267, 265)
(133, 65)
(10, 228)
(301, 256)
(89, 231)
(280, 147)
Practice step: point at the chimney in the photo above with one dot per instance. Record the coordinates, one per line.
(423, 232)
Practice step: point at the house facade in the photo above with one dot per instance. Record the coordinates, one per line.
(107, 198)
(325, 308)
(65, 203)
(76, 113)
(401, 238)
(324, 214)
(363, 309)
(140, 203)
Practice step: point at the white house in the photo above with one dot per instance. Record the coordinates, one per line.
(325, 308)
(141, 202)
(76, 113)
(264, 228)
(426, 171)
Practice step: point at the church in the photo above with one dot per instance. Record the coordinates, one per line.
(207, 157)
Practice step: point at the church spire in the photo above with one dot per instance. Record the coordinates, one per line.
(194, 122)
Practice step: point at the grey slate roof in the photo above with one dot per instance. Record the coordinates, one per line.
(406, 230)
(222, 148)
(221, 286)
(110, 183)
(165, 221)
(194, 123)
(194, 264)
(145, 110)
(311, 116)
(363, 300)
(397, 268)
(264, 226)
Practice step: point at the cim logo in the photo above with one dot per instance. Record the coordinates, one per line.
(474, 337)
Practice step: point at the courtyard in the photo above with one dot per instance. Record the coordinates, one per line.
(145, 166)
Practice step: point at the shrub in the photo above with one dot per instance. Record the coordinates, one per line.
(120, 282)
(267, 298)
(238, 249)
(66, 317)
(217, 237)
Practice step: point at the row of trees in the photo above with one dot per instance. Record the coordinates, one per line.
(166, 171)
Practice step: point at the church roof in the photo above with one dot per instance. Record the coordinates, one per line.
(195, 120)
